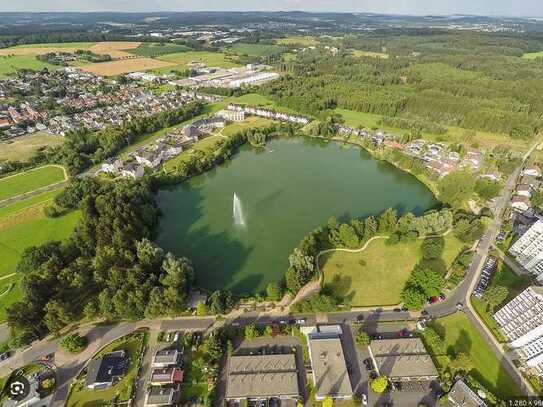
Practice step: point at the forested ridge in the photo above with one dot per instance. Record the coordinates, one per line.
(465, 80)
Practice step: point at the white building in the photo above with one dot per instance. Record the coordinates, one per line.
(521, 321)
(528, 250)
(232, 115)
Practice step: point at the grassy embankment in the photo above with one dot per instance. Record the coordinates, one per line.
(377, 275)
(461, 336)
(24, 147)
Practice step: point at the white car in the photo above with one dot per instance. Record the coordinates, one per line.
(364, 399)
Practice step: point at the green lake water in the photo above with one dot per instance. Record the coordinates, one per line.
(285, 190)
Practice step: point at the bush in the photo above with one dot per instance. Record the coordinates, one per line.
(74, 343)
(379, 384)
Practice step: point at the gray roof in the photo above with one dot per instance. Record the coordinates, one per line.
(402, 358)
(329, 368)
(167, 356)
(161, 396)
(262, 376)
(106, 368)
(462, 396)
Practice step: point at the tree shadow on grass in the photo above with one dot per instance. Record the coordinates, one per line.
(340, 287)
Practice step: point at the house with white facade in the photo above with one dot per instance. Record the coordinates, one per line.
(533, 170)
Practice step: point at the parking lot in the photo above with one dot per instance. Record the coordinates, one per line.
(486, 274)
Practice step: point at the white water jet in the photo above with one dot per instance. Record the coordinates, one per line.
(239, 219)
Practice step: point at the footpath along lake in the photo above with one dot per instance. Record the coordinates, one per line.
(239, 222)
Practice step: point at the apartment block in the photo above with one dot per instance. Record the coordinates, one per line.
(528, 250)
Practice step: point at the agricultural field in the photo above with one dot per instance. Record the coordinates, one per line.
(298, 40)
(454, 135)
(24, 147)
(461, 336)
(117, 49)
(125, 66)
(39, 49)
(377, 275)
(11, 64)
(533, 55)
(181, 60)
(361, 54)
(257, 50)
(152, 49)
(30, 180)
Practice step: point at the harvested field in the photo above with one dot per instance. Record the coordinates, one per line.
(125, 66)
(115, 49)
(24, 147)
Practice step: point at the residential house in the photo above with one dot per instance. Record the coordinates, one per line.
(162, 396)
(520, 203)
(106, 370)
(232, 115)
(165, 375)
(151, 159)
(132, 170)
(524, 190)
(166, 358)
(532, 170)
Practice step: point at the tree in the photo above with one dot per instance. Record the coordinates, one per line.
(379, 384)
(487, 189)
(273, 291)
(456, 187)
(495, 295)
(251, 332)
(74, 343)
(432, 248)
(461, 363)
(362, 338)
(388, 220)
(430, 282)
(201, 309)
(348, 236)
(370, 227)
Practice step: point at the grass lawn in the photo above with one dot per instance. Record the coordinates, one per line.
(298, 40)
(10, 292)
(461, 336)
(360, 54)
(14, 239)
(250, 122)
(22, 148)
(205, 145)
(182, 59)
(533, 55)
(454, 134)
(21, 206)
(152, 49)
(257, 50)
(11, 64)
(377, 282)
(377, 275)
(30, 180)
(81, 397)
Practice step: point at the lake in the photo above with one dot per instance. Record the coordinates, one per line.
(284, 191)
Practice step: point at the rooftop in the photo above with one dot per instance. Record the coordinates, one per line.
(402, 358)
(262, 376)
(104, 369)
(329, 368)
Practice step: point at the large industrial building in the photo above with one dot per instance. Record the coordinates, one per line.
(528, 250)
(521, 321)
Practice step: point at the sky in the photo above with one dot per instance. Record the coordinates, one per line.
(526, 8)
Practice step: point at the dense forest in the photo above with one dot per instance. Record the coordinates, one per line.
(471, 80)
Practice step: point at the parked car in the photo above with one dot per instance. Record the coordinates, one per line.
(364, 399)
(5, 355)
(301, 321)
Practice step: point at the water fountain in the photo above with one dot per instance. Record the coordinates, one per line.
(239, 220)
